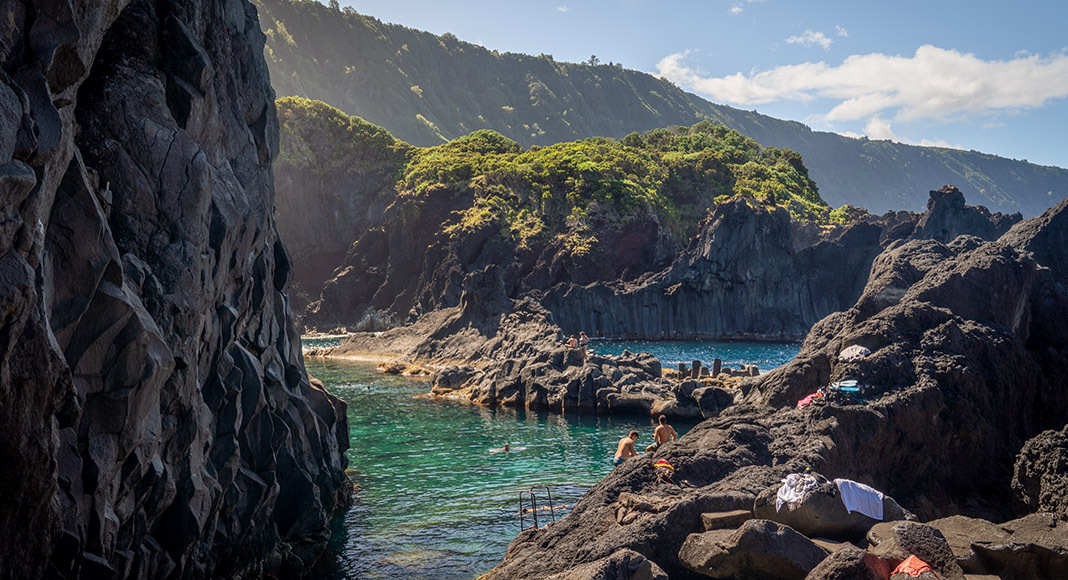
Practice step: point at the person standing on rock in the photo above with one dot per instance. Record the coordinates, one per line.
(583, 341)
(625, 448)
(664, 433)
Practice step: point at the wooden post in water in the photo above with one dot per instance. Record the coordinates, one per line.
(695, 372)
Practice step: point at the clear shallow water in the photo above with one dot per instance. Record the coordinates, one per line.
(432, 501)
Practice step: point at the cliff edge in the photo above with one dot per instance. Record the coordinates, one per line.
(156, 417)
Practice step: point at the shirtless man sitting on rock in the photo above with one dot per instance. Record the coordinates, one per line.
(664, 433)
(625, 448)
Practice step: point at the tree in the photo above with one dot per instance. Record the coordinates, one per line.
(334, 6)
(594, 61)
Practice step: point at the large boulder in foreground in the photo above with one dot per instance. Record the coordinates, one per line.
(759, 549)
(820, 514)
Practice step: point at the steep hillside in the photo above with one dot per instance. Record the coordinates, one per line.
(427, 89)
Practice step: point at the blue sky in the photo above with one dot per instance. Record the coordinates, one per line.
(983, 75)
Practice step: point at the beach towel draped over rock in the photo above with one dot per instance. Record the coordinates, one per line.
(794, 488)
(861, 498)
(853, 353)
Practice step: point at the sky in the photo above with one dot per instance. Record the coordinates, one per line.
(969, 74)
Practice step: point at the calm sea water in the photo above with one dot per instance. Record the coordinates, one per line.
(733, 353)
(432, 501)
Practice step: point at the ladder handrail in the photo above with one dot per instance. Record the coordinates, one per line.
(534, 505)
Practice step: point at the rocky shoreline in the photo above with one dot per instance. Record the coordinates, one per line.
(958, 415)
(961, 419)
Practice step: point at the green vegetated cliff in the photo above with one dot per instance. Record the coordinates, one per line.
(596, 209)
(428, 89)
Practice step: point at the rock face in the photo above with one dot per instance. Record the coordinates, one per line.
(750, 272)
(966, 365)
(157, 419)
(1040, 477)
(335, 177)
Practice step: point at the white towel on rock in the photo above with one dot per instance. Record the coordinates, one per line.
(858, 497)
(794, 488)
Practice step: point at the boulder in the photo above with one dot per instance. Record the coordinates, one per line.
(622, 565)
(820, 514)
(1040, 476)
(1037, 548)
(759, 549)
(962, 533)
(896, 541)
(850, 563)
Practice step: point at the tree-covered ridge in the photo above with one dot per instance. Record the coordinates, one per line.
(428, 89)
(570, 190)
(565, 192)
(323, 140)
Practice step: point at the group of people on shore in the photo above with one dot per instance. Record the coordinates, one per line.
(663, 434)
(582, 342)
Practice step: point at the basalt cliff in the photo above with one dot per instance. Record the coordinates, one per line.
(156, 418)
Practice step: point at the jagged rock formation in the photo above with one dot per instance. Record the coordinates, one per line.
(965, 367)
(156, 420)
(393, 76)
(750, 272)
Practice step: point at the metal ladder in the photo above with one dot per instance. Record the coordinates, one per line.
(523, 495)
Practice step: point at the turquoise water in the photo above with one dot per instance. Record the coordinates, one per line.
(733, 353)
(432, 501)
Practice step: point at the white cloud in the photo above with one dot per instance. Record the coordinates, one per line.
(934, 83)
(563, 9)
(841, 31)
(736, 6)
(879, 128)
(810, 38)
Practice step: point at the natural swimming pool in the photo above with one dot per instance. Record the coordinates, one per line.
(431, 500)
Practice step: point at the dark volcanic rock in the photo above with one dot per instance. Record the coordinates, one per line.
(894, 542)
(622, 565)
(1040, 478)
(759, 549)
(749, 272)
(851, 563)
(822, 515)
(947, 217)
(157, 418)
